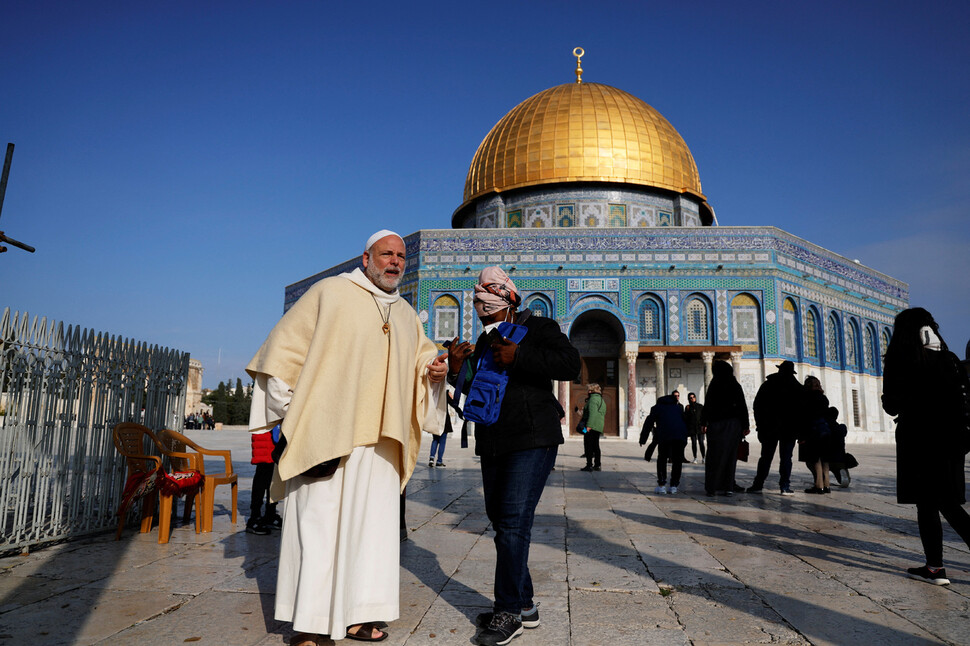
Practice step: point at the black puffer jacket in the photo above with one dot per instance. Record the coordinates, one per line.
(531, 414)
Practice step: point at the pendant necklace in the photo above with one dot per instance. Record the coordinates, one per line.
(385, 314)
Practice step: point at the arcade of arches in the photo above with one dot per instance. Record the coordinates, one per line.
(599, 337)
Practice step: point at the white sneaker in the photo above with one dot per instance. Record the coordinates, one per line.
(671, 489)
(660, 489)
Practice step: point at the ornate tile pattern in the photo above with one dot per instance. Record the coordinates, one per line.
(673, 324)
(513, 219)
(723, 332)
(565, 216)
(592, 216)
(539, 217)
(610, 268)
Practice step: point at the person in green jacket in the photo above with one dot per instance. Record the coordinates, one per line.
(595, 415)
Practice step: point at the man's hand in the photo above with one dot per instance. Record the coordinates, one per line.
(503, 353)
(457, 353)
(438, 369)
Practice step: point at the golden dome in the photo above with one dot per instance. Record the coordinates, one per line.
(582, 132)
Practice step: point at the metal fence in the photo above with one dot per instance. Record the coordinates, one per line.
(63, 391)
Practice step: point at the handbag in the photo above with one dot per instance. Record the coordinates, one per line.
(581, 424)
(744, 450)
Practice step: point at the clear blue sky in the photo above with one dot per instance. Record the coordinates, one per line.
(179, 163)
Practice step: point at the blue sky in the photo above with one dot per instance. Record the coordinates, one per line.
(177, 164)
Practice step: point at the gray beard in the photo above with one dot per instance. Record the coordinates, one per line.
(383, 282)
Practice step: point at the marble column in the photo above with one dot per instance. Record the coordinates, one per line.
(736, 363)
(564, 402)
(708, 358)
(632, 351)
(658, 360)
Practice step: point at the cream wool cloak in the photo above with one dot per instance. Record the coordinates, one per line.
(352, 384)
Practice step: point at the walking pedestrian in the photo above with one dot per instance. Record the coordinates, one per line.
(926, 389)
(666, 420)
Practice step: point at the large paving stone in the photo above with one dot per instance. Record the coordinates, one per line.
(84, 616)
(827, 619)
(730, 616)
(212, 618)
(609, 573)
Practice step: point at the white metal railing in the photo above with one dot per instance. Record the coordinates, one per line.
(63, 391)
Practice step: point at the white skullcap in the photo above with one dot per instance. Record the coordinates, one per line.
(383, 233)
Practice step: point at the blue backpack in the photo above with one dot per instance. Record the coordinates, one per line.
(484, 400)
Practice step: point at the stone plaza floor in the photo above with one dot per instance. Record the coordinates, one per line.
(612, 563)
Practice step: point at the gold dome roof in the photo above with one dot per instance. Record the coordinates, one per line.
(582, 132)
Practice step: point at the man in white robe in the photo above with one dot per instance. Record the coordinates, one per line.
(352, 376)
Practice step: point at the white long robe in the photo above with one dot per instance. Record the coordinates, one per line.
(339, 562)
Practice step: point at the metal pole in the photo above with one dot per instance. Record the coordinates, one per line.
(3, 191)
(6, 173)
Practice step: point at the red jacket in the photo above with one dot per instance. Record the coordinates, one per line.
(262, 444)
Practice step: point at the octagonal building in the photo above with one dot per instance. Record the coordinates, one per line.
(592, 201)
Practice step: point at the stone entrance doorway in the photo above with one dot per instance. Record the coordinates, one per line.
(599, 337)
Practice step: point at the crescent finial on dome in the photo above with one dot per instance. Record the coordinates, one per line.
(578, 53)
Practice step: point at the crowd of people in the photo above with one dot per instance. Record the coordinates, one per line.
(201, 420)
(340, 464)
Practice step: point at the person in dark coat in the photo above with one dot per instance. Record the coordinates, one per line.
(666, 420)
(926, 389)
(517, 451)
(725, 419)
(692, 417)
(836, 448)
(815, 435)
(648, 454)
(777, 414)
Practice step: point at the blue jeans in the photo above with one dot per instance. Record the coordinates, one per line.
(512, 484)
(438, 444)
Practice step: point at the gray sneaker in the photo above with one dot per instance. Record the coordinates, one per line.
(503, 628)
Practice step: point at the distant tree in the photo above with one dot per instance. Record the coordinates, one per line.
(217, 399)
(230, 405)
(240, 404)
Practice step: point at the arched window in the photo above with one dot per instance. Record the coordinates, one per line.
(811, 333)
(651, 322)
(697, 320)
(833, 341)
(789, 329)
(539, 306)
(869, 349)
(446, 318)
(745, 322)
(852, 344)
